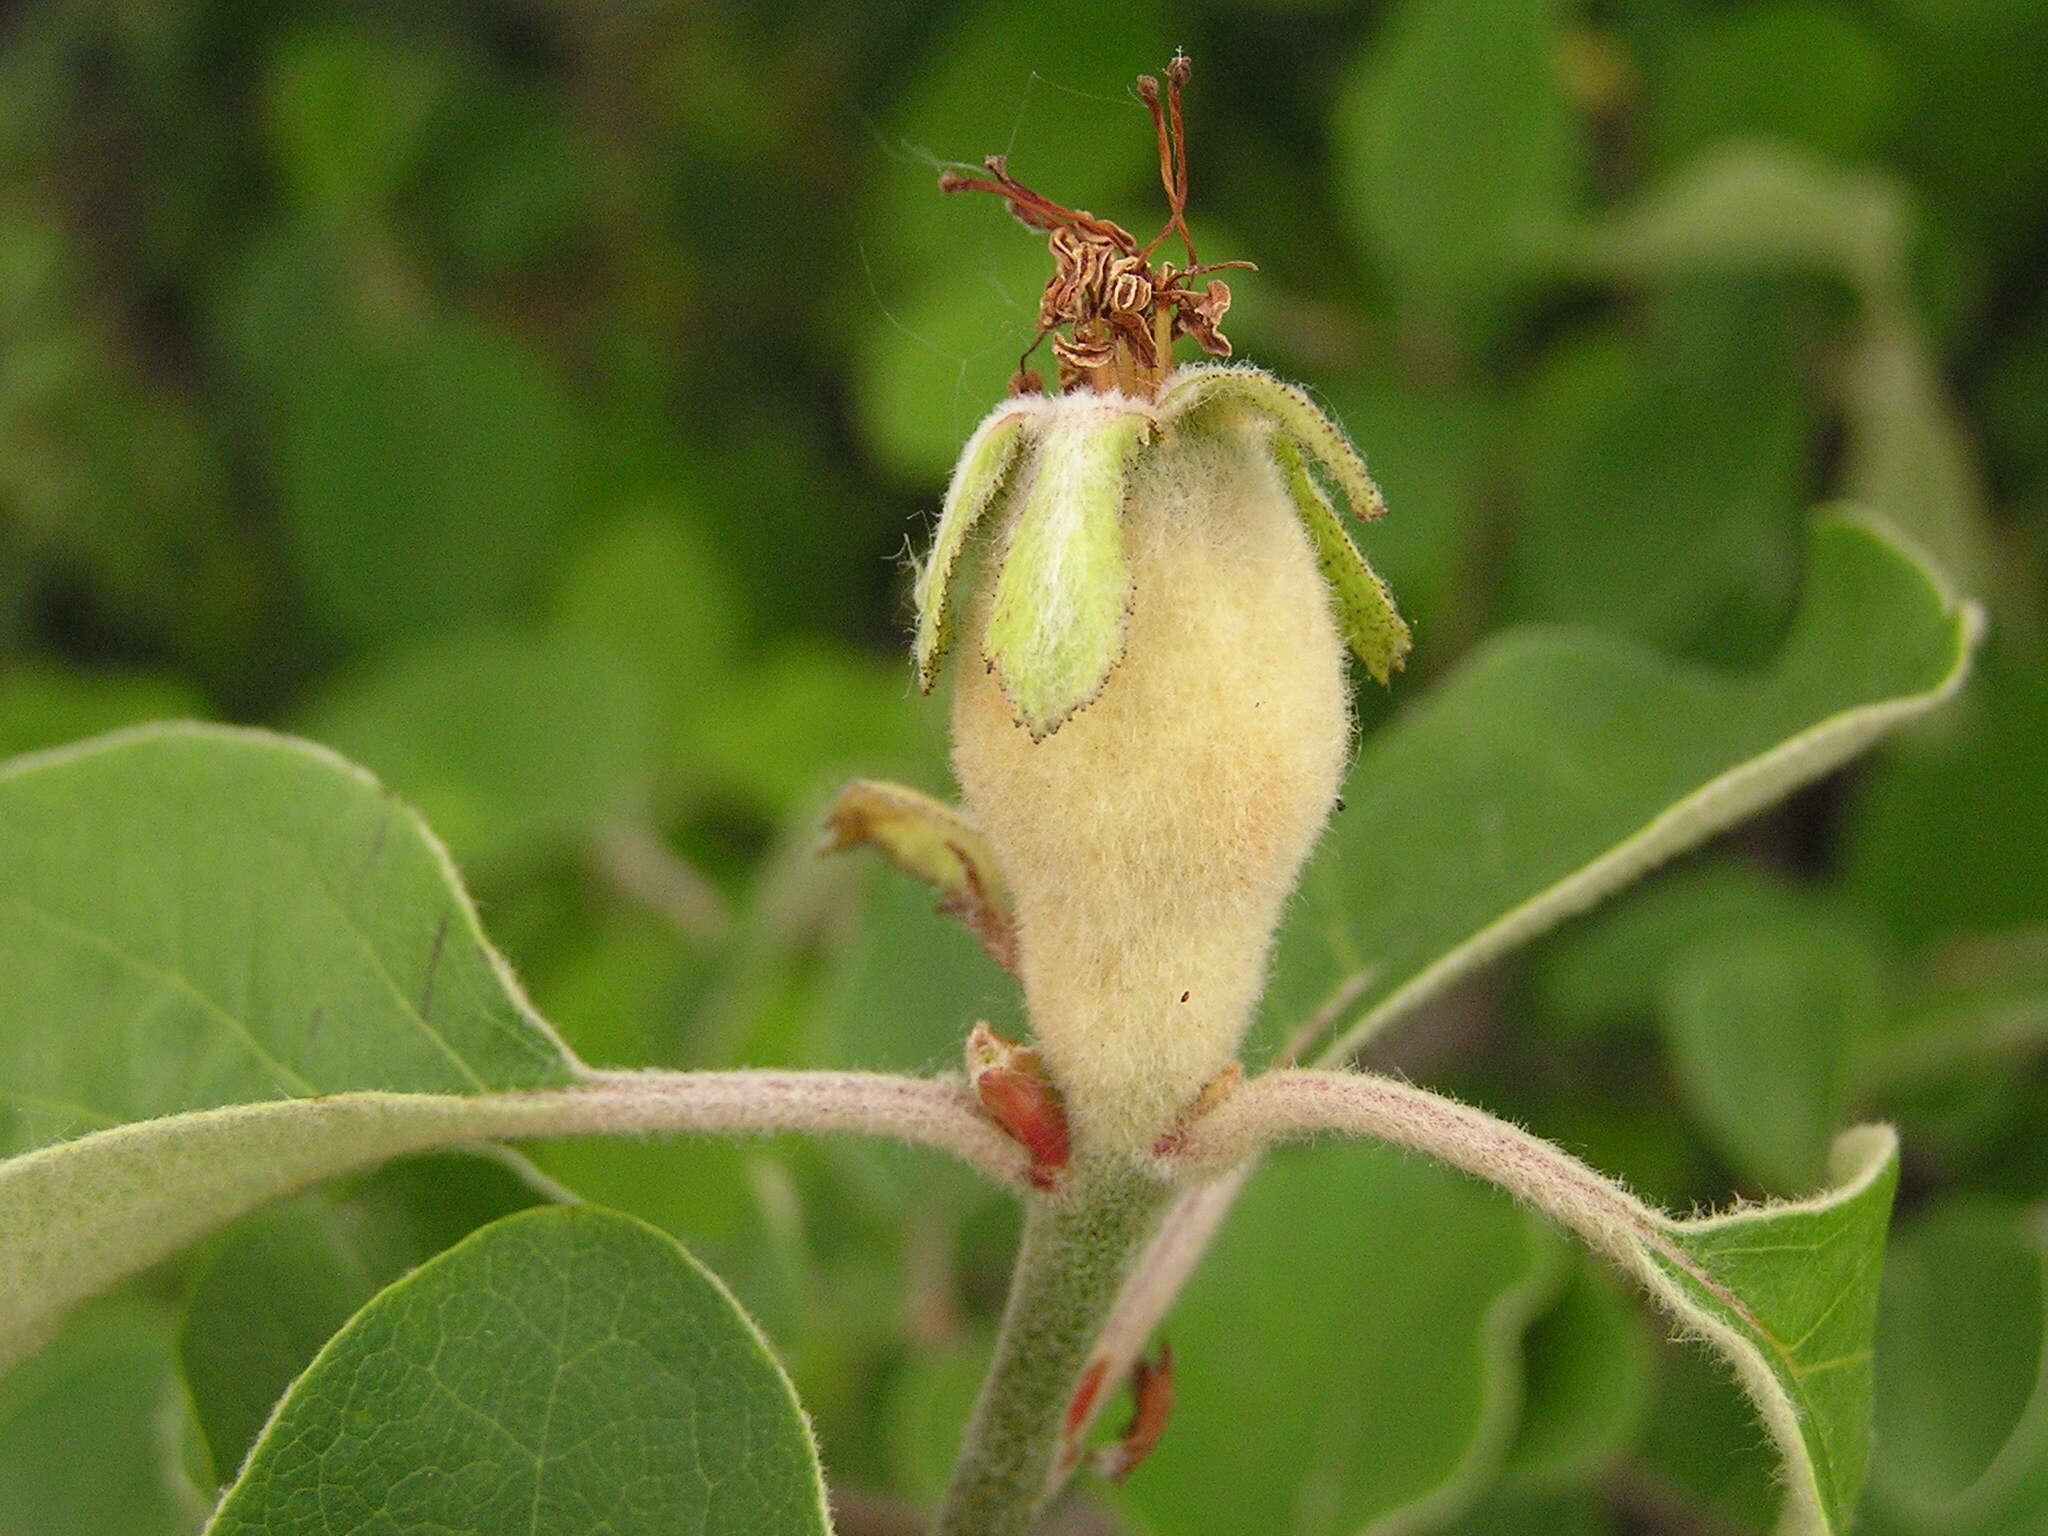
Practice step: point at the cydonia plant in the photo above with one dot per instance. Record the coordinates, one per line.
(1152, 590)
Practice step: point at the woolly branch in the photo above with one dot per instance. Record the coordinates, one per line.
(934, 1112)
(1287, 1104)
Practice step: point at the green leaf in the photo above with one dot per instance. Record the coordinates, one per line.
(1761, 1030)
(1364, 607)
(868, 1017)
(780, 734)
(46, 706)
(80, 1215)
(232, 966)
(1556, 766)
(510, 747)
(1586, 1363)
(1457, 154)
(1584, 1513)
(1432, 453)
(1056, 627)
(1611, 968)
(1947, 837)
(1759, 206)
(2015, 430)
(1814, 74)
(984, 467)
(1970, 92)
(193, 917)
(1975, 1005)
(348, 115)
(1787, 1293)
(929, 1402)
(1962, 1404)
(941, 352)
(425, 478)
(1348, 1358)
(278, 1285)
(89, 1432)
(509, 176)
(1665, 479)
(1770, 1000)
(865, 1017)
(1769, 207)
(1912, 457)
(648, 585)
(561, 1371)
(1701, 1442)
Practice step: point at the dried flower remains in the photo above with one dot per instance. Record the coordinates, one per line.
(1120, 312)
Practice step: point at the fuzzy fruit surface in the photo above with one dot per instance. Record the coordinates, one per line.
(1150, 842)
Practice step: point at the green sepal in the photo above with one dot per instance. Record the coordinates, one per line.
(1364, 608)
(1293, 412)
(1058, 625)
(984, 467)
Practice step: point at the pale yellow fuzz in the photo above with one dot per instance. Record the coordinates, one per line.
(1150, 842)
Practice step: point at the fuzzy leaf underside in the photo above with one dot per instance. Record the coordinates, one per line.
(1765, 206)
(984, 468)
(558, 1372)
(233, 967)
(1293, 412)
(1364, 608)
(1756, 205)
(77, 1217)
(1057, 626)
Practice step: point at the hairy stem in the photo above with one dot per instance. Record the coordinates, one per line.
(1183, 1235)
(936, 1112)
(1077, 1250)
(1179, 1239)
(1298, 1102)
(76, 1216)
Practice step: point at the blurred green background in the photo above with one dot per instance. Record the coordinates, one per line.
(536, 402)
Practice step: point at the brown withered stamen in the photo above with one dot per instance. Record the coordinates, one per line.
(1120, 313)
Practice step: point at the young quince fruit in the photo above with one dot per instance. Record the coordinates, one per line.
(1158, 729)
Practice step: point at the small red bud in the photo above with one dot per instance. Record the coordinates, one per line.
(1084, 1397)
(1152, 1394)
(1013, 1088)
